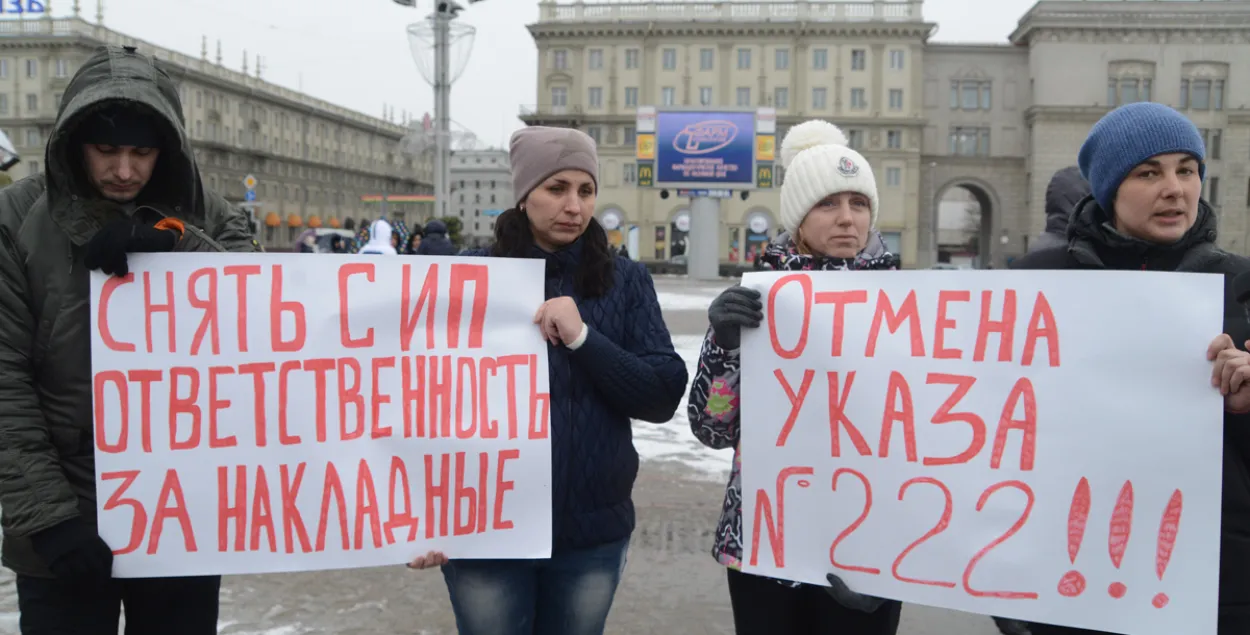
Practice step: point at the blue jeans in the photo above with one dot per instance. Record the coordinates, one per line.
(569, 594)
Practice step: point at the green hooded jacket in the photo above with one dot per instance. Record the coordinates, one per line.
(47, 464)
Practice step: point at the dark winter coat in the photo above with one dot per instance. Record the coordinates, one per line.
(47, 460)
(1092, 244)
(1066, 188)
(626, 369)
(436, 242)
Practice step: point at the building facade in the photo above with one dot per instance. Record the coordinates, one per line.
(316, 164)
(994, 120)
(481, 189)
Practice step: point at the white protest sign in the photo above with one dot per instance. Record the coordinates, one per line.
(280, 412)
(1039, 445)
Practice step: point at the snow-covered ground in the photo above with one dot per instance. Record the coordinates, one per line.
(673, 441)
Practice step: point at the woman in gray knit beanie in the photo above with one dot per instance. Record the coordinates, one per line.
(611, 361)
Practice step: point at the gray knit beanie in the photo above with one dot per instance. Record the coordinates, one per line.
(538, 152)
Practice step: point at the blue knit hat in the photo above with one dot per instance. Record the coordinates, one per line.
(1129, 135)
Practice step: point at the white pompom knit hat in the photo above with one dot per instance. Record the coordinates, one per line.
(818, 163)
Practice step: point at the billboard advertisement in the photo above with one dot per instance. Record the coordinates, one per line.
(705, 149)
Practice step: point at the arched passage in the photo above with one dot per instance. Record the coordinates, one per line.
(965, 208)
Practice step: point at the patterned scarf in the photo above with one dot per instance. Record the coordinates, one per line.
(782, 254)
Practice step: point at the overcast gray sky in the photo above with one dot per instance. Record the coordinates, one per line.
(355, 52)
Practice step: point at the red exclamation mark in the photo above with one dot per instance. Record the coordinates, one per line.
(1117, 539)
(1072, 583)
(1168, 529)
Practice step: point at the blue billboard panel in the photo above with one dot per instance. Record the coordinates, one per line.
(705, 149)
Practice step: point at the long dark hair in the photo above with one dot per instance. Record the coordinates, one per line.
(595, 272)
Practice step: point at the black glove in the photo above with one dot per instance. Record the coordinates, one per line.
(734, 308)
(850, 599)
(74, 552)
(107, 250)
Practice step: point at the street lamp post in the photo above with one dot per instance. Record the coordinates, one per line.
(436, 35)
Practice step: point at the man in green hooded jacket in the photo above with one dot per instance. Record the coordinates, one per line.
(121, 178)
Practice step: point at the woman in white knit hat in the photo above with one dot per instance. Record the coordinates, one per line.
(829, 208)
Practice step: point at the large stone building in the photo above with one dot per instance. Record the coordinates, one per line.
(317, 164)
(481, 189)
(996, 120)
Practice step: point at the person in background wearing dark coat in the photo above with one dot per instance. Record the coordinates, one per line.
(435, 242)
(414, 241)
(611, 361)
(1067, 187)
(1145, 163)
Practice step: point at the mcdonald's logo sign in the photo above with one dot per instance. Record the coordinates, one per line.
(646, 174)
(764, 176)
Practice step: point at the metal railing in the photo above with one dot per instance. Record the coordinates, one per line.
(733, 11)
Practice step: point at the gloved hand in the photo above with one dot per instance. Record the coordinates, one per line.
(734, 308)
(107, 250)
(74, 552)
(850, 599)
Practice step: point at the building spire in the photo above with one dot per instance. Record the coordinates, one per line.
(219, 52)
(77, 8)
(204, 47)
(99, 12)
(245, 61)
(259, 64)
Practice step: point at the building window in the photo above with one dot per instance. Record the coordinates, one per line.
(1127, 90)
(32, 68)
(896, 99)
(859, 60)
(820, 98)
(631, 97)
(893, 177)
(595, 61)
(1202, 94)
(705, 96)
(781, 97)
(34, 168)
(32, 103)
(783, 59)
(969, 142)
(559, 97)
(894, 139)
(896, 60)
(744, 59)
(595, 132)
(707, 59)
(855, 138)
(630, 137)
(32, 138)
(631, 59)
(820, 59)
(62, 68)
(560, 59)
(1211, 190)
(630, 174)
(971, 95)
(744, 96)
(1212, 139)
(858, 99)
(595, 97)
(670, 59)
(4, 104)
(4, 69)
(668, 96)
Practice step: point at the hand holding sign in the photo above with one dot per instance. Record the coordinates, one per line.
(560, 321)
(1231, 373)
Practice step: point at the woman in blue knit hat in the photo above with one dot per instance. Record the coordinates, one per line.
(1145, 164)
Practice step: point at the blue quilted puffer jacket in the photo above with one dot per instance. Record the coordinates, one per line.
(626, 369)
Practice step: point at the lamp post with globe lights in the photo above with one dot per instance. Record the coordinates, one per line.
(441, 49)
